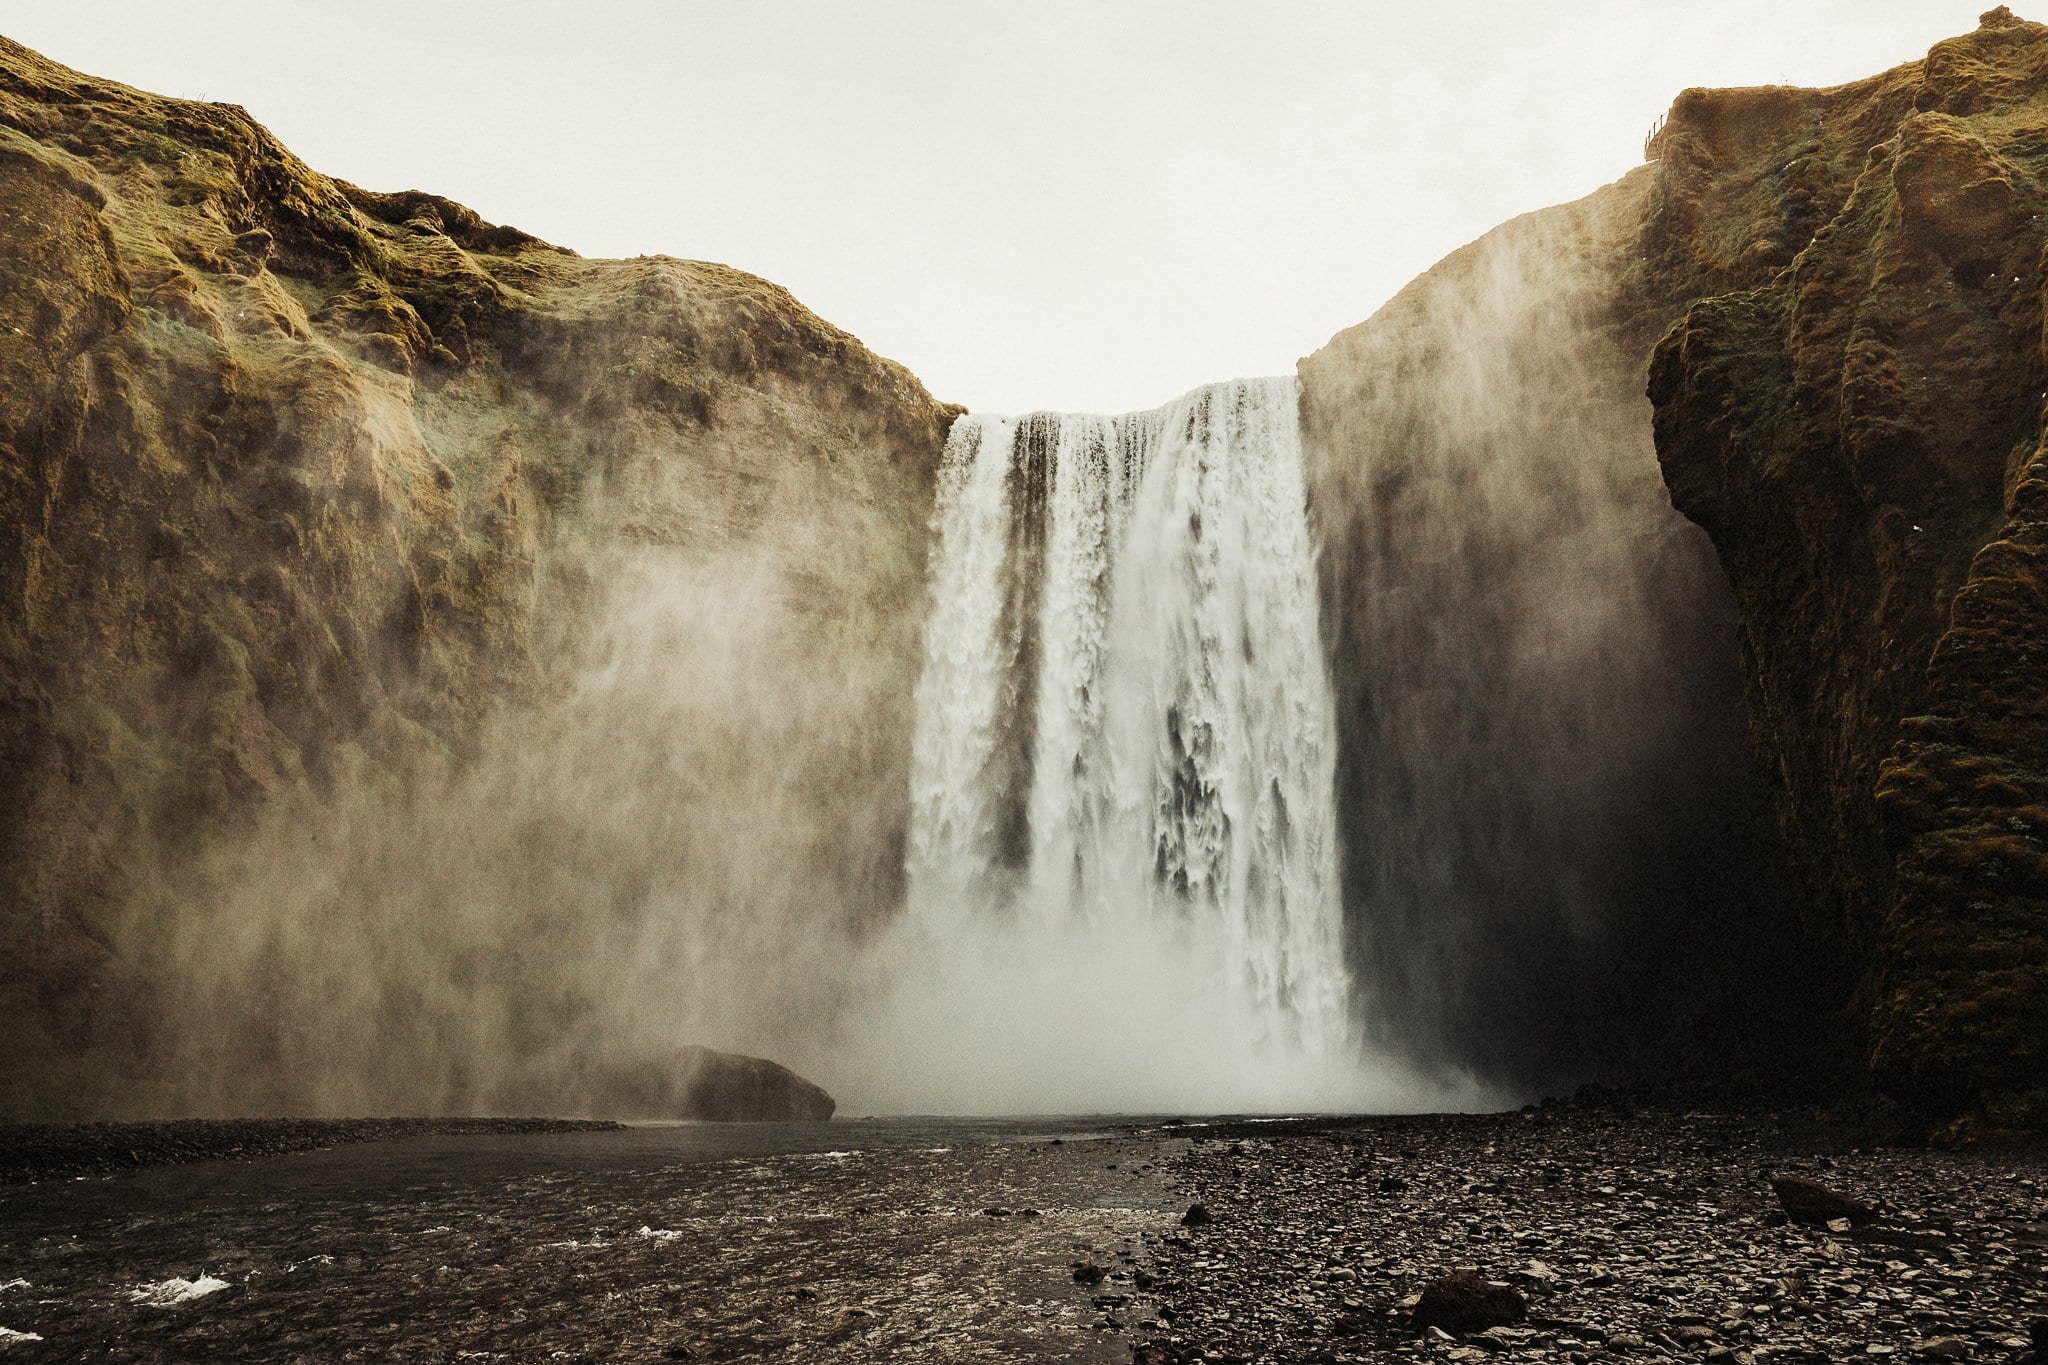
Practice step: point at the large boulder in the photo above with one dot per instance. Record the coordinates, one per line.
(719, 1087)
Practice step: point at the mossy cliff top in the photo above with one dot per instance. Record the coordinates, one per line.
(1852, 406)
(286, 472)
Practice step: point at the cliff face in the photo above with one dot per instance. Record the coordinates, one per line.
(305, 490)
(1852, 408)
(1546, 800)
(1557, 857)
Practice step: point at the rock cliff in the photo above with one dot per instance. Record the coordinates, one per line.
(1558, 858)
(1536, 666)
(1852, 406)
(305, 489)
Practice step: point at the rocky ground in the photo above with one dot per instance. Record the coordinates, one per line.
(45, 1151)
(1571, 1233)
(1621, 1235)
(907, 1240)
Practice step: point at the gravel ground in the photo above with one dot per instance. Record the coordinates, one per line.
(1613, 1235)
(1629, 1237)
(47, 1151)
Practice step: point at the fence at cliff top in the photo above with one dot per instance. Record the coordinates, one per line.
(1124, 724)
(1650, 138)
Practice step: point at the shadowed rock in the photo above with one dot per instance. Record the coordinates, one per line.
(1807, 1201)
(1856, 421)
(1466, 1303)
(721, 1087)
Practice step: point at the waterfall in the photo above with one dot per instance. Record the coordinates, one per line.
(1125, 735)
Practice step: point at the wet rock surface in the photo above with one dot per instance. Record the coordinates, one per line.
(715, 1242)
(46, 1151)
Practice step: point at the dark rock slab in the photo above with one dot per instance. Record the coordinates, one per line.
(1467, 1303)
(1808, 1201)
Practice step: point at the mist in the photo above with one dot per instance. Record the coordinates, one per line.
(1553, 820)
(695, 831)
(1369, 745)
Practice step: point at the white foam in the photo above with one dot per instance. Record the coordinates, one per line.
(658, 1234)
(8, 1336)
(13, 1284)
(176, 1290)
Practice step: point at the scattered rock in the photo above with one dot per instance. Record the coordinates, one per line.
(1087, 1272)
(1301, 1263)
(1197, 1216)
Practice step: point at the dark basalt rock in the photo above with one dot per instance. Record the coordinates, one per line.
(1465, 1303)
(720, 1087)
(1807, 1201)
(1859, 428)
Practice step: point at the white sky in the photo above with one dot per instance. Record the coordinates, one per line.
(1054, 204)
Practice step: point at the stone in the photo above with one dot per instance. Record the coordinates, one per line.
(703, 1084)
(1465, 1303)
(1808, 1201)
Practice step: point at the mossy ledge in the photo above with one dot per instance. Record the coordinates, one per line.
(284, 464)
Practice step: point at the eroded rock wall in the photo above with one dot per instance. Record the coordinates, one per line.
(1558, 859)
(1852, 408)
(310, 497)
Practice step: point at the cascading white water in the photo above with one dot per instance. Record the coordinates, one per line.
(1125, 737)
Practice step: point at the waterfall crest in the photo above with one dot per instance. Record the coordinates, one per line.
(1125, 732)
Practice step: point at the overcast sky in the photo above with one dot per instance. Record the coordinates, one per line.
(1083, 204)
